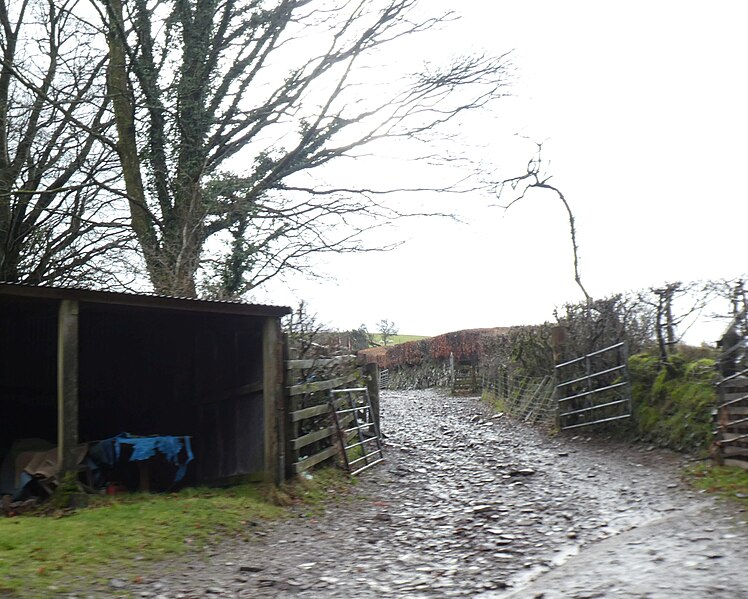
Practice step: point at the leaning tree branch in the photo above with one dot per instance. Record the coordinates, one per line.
(533, 179)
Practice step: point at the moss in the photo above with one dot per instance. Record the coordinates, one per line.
(66, 492)
(702, 369)
(643, 366)
(673, 402)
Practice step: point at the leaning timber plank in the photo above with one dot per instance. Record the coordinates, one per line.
(735, 398)
(305, 440)
(318, 363)
(323, 385)
(734, 451)
(312, 411)
(313, 460)
(739, 463)
(739, 428)
(305, 413)
(732, 420)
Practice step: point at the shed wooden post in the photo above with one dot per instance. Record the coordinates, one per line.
(273, 408)
(290, 429)
(67, 385)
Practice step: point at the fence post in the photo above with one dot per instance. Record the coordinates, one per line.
(504, 383)
(559, 334)
(473, 375)
(372, 384)
(452, 371)
(558, 342)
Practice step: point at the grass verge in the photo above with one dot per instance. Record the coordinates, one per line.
(122, 536)
(728, 482)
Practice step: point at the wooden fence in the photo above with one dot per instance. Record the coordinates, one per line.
(731, 415)
(731, 431)
(312, 433)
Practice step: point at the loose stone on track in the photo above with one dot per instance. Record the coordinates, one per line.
(469, 505)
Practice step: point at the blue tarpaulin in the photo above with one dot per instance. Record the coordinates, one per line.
(144, 448)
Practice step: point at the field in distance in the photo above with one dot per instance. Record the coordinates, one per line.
(395, 339)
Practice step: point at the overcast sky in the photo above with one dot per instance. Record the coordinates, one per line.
(643, 111)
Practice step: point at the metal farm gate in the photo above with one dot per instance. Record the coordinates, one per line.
(357, 429)
(594, 388)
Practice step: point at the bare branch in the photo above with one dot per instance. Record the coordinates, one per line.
(57, 221)
(286, 85)
(534, 179)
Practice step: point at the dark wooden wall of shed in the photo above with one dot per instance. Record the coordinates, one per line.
(145, 371)
(28, 370)
(156, 372)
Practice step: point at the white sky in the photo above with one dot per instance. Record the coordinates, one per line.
(644, 109)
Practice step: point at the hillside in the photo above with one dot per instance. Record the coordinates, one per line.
(465, 345)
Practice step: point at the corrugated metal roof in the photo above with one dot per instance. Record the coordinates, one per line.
(146, 300)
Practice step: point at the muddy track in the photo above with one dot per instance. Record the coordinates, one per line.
(470, 505)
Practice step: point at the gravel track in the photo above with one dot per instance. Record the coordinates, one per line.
(472, 505)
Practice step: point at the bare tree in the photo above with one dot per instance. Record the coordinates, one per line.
(731, 292)
(606, 321)
(304, 330)
(671, 316)
(228, 112)
(536, 178)
(57, 220)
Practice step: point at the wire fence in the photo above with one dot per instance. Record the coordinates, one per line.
(527, 399)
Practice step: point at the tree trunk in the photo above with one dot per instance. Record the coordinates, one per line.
(127, 148)
(172, 259)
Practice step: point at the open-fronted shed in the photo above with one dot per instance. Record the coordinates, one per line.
(78, 366)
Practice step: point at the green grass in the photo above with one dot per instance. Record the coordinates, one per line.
(122, 537)
(397, 339)
(729, 482)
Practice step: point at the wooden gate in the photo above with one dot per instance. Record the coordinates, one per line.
(319, 393)
(731, 415)
(463, 375)
(594, 388)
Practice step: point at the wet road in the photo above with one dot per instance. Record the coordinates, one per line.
(472, 505)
